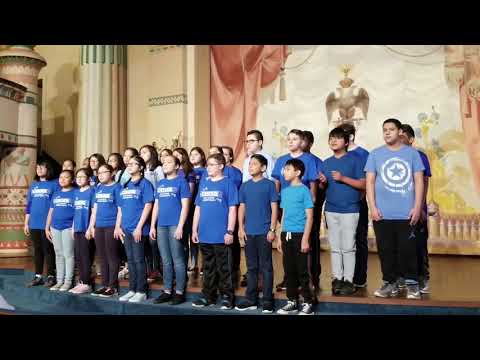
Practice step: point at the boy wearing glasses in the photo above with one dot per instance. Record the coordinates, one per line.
(254, 145)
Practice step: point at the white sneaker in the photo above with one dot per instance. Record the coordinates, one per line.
(81, 289)
(127, 296)
(138, 297)
(56, 287)
(65, 287)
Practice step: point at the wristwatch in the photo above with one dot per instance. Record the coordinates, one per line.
(229, 232)
(272, 230)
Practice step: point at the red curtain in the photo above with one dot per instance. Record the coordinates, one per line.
(237, 74)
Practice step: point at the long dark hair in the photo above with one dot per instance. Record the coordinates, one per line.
(99, 157)
(202, 155)
(185, 162)
(121, 164)
(50, 173)
(154, 162)
(143, 166)
(169, 152)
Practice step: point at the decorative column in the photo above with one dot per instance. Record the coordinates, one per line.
(21, 65)
(103, 100)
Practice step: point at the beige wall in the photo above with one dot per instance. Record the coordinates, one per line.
(9, 115)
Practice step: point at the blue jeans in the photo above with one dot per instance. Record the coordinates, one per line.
(259, 259)
(136, 263)
(173, 258)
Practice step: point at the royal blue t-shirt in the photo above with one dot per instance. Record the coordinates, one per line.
(132, 199)
(106, 198)
(63, 209)
(294, 201)
(234, 174)
(191, 178)
(84, 201)
(93, 180)
(199, 173)
(361, 153)
(394, 181)
(340, 197)
(39, 197)
(311, 169)
(257, 197)
(427, 172)
(170, 193)
(214, 199)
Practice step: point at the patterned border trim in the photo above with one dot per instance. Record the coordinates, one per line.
(11, 93)
(167, 100)
(155, 49)
(22, 60)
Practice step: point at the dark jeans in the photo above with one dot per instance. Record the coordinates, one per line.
(397, 249)
(43, 252)
(295, 265)
(82, 256)
(136, 263)
(361, 243)
(108, 249)
(152, 256)
(217, 271)
(258, 251)
(422, 250)
(192, 249)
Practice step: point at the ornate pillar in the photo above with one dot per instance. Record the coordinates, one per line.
(103, 100)
(20, 64)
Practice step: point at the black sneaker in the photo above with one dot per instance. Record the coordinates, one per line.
(99, 291)
(202, 302)
(226, 304)
(282, 286)
(306, 309)
(243, 283)
(36, 281)
(109, 292)
(246, 305)
(290, 308)
(163, 298)
(337, 284)
(50, 281)
(177, 299)
(347, 289)
(268, 307)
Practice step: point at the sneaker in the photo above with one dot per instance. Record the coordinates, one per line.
(347, 289)
(177, 299)
(413, 292)
(138, 297)
(163, 298)
(110, 292)
(282, 286)
(387, 290)
(56, 287)
(425, 286)
(65, 287)
(127, 296)
(99, 291)
(81, 289)
(226, 304)
(36, 281)
(202, 302)
(243, 283)
(306, 309)
(246, 305)
(337, 284)
(290, 308)
(401, 283)
(268, 307)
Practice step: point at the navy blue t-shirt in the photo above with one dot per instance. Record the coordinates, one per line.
(340, 197)
(311, 169)
(63, 209)
(427, 172)
(191, 178)
(170, 193)
(234, 174)
(199, 173)
(132, 199)
(257, 197)
(106, 198)
(39, 197)
(93, 181)
(84, 201)
(214, 199)
(361, 153)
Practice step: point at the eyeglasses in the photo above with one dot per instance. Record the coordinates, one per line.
(82, 177)
(210, 164)
(103, 172)
(133, 164)
(250, 141)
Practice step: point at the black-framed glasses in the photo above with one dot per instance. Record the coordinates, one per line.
(250, 141)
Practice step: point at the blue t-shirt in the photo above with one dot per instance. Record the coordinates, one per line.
(234, 174)
(294, 201)
(132, 199)
(39, 197)
(361, 153)
(214, 199)
(257, 197)
(191, 178)
(340, 197)
(83, 205)
(427, 172)
(106, 198)
(63, 209)
(93, 181)
(318, 163)
(170, 193)
(311, 169)
(394, 182)
(199, 173)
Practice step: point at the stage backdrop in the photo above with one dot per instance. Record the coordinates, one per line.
(435, 89)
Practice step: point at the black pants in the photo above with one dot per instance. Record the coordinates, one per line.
(315, 266)
(109, 251)
(397, 249)
(236, 253)
(361, 243)
(82, 256)
(217, 271)
(295, 264)
(422, 250)
(152, 256)
(192, 249)
(43, 252)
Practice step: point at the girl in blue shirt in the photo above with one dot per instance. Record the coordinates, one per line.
(135, 205)
(171, 208)
(38, 203)
(59, 231)
(95, 161)
(84, 197)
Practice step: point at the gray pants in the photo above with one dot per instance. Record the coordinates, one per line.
(341, 236)
(63, 244)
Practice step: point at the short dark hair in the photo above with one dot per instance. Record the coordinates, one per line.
(218, 158)
(72, 161)
(407, 129)
(230, 151)
(218, 147)
(87, 171)
(339, 134)
(308, 135)
(260, 158)
(348, 128)
(69, 172)
(298, 165)
(396, 122)
(107, 166)
(132, 149)
(50, 172)
(296, 132)
(258, 134)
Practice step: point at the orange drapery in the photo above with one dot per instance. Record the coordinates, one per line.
(237, 74)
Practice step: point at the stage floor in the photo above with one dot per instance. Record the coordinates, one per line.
(454, 281)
